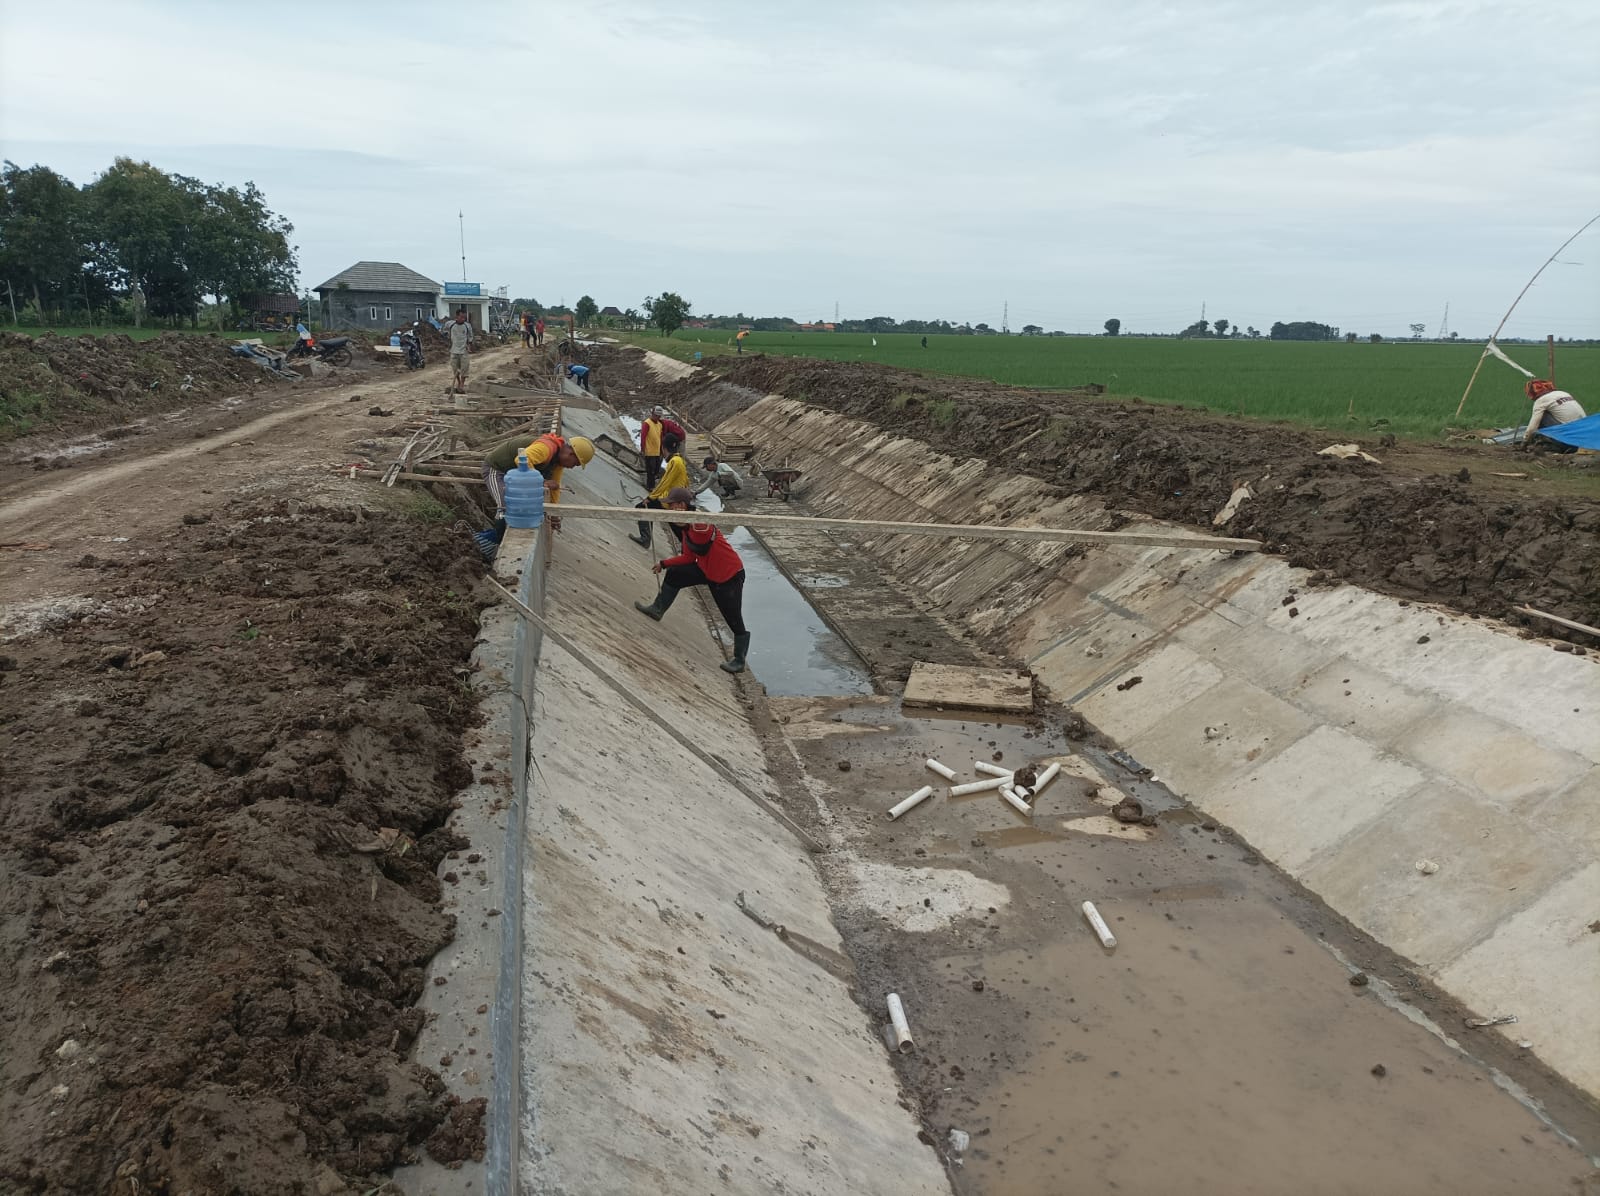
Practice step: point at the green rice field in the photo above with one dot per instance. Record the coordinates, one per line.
(1415, 387)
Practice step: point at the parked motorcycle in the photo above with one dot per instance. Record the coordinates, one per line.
(412, 344)
(335, 350)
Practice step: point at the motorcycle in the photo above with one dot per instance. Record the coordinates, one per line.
(335, 350)
(412, 344)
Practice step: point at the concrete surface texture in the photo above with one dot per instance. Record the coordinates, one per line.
(671, 1043)
(1349, 736)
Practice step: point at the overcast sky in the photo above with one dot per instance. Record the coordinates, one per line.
(1358, 164)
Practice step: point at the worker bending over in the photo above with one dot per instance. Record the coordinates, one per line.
(655, 426)
(674, 475)
(721, 475)
(1550, 407)
(550, 455)
(706, 559)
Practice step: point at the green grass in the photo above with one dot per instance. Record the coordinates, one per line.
(140, 334)
(1414, 387)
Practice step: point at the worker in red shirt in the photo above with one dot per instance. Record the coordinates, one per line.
(706, 559)
(656, 428)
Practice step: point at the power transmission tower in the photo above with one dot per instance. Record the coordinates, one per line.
(1444, 324)
(1005, 318)
(835, 311)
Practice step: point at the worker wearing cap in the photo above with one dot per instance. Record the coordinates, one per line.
(655, 426)
(674, 475)
(550, 455)
(1550, 406)
(706, 559)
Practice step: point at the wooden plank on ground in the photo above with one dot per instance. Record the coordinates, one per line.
(1155, 537)
(955, 687)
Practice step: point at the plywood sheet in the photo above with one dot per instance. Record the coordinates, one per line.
(958, 688)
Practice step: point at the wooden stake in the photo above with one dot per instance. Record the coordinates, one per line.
(1550, 352)
(948, 531)
(1539, 614)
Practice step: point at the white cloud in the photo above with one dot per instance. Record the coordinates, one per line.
(1355, 163)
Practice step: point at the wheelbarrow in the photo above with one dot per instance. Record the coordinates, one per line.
(779, 481)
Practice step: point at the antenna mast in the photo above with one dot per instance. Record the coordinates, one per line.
(461, 220)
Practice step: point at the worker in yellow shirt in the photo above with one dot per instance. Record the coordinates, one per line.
(550, 455)
(655, 427)
(674, 474)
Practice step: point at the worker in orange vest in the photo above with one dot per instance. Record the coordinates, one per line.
(550, 455)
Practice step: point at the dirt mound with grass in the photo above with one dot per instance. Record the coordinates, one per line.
(227, 776)
(57, 381)
(1437, 523)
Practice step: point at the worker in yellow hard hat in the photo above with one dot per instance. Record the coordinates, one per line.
(550, 455)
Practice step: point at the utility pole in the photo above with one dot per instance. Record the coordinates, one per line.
(1550, 348)
(461, 219)
(1005, 318)
(835, 311)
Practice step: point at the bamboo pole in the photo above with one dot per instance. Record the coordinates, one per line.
(1513, 307)
(1539, 614)
(949, 531)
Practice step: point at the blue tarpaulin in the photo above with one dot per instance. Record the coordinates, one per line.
(1583, 433)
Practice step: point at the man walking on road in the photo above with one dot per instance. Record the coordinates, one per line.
(655, 426)
(460, 333)
(705, 558)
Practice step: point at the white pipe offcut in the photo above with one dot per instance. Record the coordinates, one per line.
(1011, 796)
(978, 786)
(1107, 939)
(916, 797)
(993, 770)
(944, 770)
(897, 1019)
(1047, 776)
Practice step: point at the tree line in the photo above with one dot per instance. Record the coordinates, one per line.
(137, 243)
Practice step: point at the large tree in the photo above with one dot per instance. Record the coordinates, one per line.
(586, 310)
(239, 246)
(667, 311)
(1113, 327)
(43, 242)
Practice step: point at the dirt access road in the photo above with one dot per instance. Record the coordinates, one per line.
(232, 710)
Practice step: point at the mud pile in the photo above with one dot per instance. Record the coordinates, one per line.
(53, 379)
(1409, 527)
(225, 799)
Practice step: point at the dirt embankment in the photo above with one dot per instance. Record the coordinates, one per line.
(226, 784)
(1417, 526)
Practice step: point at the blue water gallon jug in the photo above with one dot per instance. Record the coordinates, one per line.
(524, 495)
(394, 340)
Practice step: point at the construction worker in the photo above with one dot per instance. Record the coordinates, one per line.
(525, 322)
(538, 331)
(738, 340)
(579, 373)
(656, 425)
(705, 559)
(674, 475)
(550, 455)
(721, 475)
(1550, 407)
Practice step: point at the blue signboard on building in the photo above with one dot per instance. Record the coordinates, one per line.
(473, 290)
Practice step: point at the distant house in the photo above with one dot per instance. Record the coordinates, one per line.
(610, 311)
(377, 295)
(816, 328)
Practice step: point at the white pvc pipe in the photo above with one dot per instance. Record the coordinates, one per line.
(943, 770)
(1107, 939)
(916, 797)
(978, 786)
(993, 770)
(1010, 795)
(897, 1019)
(1047, 776)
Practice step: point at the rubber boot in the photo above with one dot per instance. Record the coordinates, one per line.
(659, 607)
(741, 645)
(643, 538)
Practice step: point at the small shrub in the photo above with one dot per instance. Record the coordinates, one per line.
(943, 412)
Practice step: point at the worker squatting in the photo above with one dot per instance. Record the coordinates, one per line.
(703, 557)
